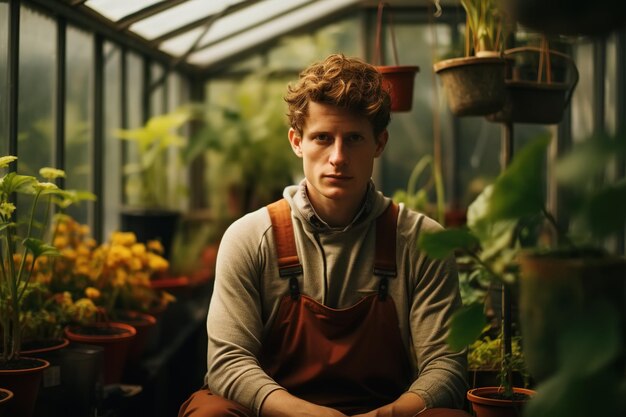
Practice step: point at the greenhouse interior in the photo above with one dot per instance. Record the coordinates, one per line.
(165, 161)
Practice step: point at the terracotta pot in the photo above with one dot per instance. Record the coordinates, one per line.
(553, 289)
(474, 86)
(144, 324)
(24, 383)
(484, 406)
(115, 338)
(398, 81)
(5, 397)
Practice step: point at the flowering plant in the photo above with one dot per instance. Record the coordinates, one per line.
(21, 245)
(114, 275)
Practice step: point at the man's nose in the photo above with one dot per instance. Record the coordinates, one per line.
(338, 154)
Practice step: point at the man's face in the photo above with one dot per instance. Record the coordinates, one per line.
(337, 148)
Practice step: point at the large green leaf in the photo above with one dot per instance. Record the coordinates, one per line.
(442, 244)
(466, 326)
(40, 248)
(605, 211)
(518, 191)
(588, 160)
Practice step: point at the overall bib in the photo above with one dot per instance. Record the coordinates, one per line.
(349, 359)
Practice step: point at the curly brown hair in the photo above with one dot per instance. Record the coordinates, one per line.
(341, 81)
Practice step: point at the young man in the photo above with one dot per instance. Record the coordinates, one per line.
(323, 305)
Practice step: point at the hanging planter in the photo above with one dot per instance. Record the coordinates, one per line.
(474, 84)
(542, 100)
(398, 79)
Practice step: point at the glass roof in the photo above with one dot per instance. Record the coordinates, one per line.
(204, 32)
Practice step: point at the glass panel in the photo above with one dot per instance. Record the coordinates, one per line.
(276, 27)
(36, 125)
(583, 98)
(296, 52)
(178, 16)
(79, 118)
(112, 196)
(134, 81)
(4, 123)
(178, 95)
(36, 91)
(610, 85)
(248, 17)
(157, 89)
(117, 9)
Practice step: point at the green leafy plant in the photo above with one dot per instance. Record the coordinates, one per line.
(251, 159)
(22, 245)
(512, 216)
(486, 25)
(418, 198)
(147, 178)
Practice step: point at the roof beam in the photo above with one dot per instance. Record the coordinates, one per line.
(125, 22)
(201, 22)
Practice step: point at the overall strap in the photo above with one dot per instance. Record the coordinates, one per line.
(288, 263)
(385, 255)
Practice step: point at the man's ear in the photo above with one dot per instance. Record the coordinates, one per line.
(381, 141)
(296, 141)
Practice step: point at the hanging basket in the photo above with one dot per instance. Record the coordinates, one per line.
(537, 101)
(398, 80)
(474, 86)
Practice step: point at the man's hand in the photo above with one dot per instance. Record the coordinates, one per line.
(407, 405)
(282, 404)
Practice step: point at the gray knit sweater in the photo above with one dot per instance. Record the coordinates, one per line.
(338, 267)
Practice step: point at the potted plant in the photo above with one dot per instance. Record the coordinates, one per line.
(474, 84)
(571, 287)
(248, 161)
(151, 187)
(539, 96)
(397, 79)
(20, 247)
(116, 277)
(484, 362)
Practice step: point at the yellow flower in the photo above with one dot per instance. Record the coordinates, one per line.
(6, 209)
(92, 293)
(51, 173)
(157, 263)
(155, 246)
(60, 242)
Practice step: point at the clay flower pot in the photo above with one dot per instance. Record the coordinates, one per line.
(24, 381)
(398, 81)
(115, 338)
(485, 405)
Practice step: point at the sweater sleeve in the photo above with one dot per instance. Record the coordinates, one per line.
(442, 373)
(234, 321)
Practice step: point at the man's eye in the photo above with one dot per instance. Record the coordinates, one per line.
(355, 138)
(322, 138)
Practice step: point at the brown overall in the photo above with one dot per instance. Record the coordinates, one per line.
(349, 359)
